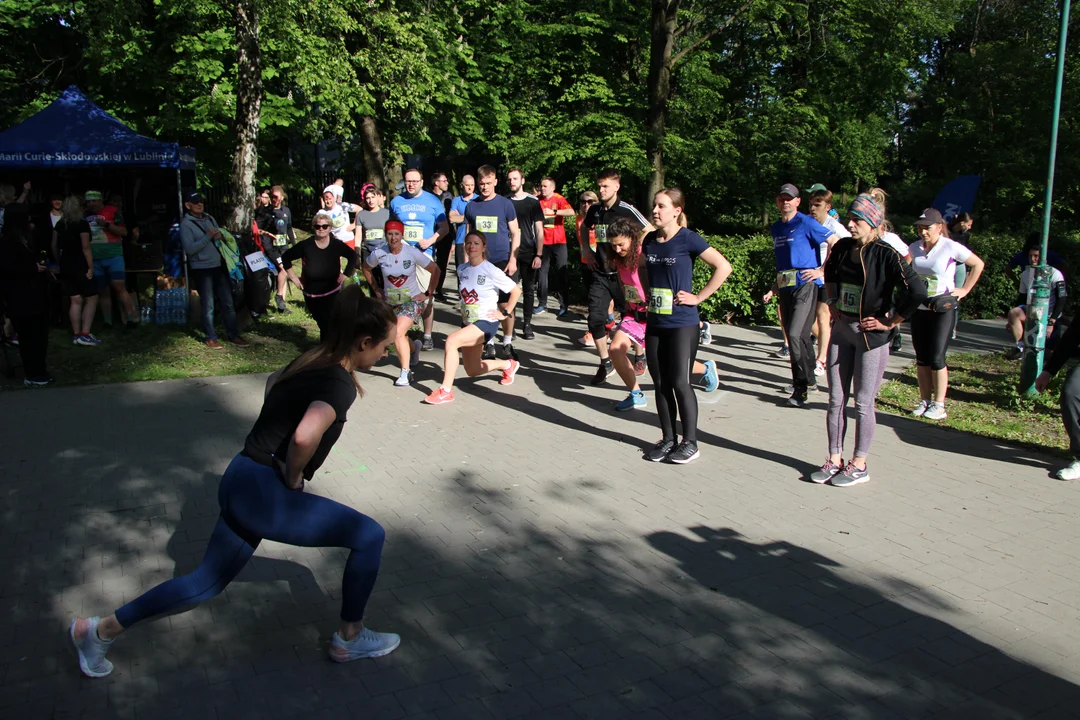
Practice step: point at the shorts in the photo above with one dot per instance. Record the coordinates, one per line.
(505, 297)
(488, 327)
(411, 309)
(634, 330)
(107, 270)
(75, 283)
(822, 296)
(423, 279)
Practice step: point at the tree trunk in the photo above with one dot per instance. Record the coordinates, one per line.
(249, 93)
(659, 89)
(371, 146)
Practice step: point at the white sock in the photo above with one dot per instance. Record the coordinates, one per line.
(1020, 345)
(507, 339)
(427, 336)
(443, 387)
(404, 373)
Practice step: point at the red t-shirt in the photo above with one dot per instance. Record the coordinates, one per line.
(554, 231)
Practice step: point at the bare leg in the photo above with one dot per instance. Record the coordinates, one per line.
(468, 340)
(824, 332)
(620, 348)
(941, 384)
(1015, 323)
(402, 344)
(127, 303)
(75, 314)
(89, 308)
(926, 382)
(429, 317)
(105, 304)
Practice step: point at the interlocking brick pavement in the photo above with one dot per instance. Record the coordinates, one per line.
(536, 567)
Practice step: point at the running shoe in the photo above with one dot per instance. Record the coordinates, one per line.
(639, 366)
(37, 382)
(428, 343)
(603, 372)
(685, 452)
(782, 352)
(827, 471)
(91, 648)
(610, 324)
(13, 340)
(281, 306)
(920, 409)
(527, 333)
(405, 379)
(659, 451)
(1071, 472)
(75, 339)
(819, 368)
(89, 339)
(636, 399)
(563, 311)
(705, 336)
(239, 342)
(366, 644)
(797, 399)
(1014, 352)
(935, 411)
(850, 475)
(414, 360)
(507, 352)
(897, 343)
(710, 378)
(489, 352)
(509, 373)
(587, 340)
(440, 396)
(540, 310)
(788, 389)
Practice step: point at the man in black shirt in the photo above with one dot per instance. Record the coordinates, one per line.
(440, 188)
(530, 217)
(605, 286)
(277, 238)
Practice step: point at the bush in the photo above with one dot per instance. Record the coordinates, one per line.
(996, 291)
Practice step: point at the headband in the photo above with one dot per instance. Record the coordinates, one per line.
(394, 225)
(864, 208)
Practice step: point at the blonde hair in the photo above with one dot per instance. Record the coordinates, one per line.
(881, 198)
(324, 214)
(72, 209)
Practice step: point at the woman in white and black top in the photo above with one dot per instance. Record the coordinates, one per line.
(935, 257)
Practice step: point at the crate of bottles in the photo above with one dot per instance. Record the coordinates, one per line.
(171, 306)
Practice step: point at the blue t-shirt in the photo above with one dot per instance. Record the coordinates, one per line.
(670, 269)
(458, 205)
(796, 244)
(493, 217)
(420, 215)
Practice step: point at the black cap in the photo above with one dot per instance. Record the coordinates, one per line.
(194, 197)
(930, 216)
(789, 190)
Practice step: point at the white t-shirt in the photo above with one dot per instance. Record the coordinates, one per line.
(836, 228)
(339, 220)
(938, 267)
(479, 288)
(1028, 277)
(399, 272)
(897, 244)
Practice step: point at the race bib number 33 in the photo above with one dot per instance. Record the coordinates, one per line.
(487, 223)
(661, 300)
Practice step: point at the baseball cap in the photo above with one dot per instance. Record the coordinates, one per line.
(789, 190)
(815, 187)
(930, 216)
(93, 195)
(194, 197)
(335, 190)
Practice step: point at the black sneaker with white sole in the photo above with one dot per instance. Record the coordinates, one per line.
(489, 352)
(659, 451)
(685, 452)
(797, 399)
(603, 372)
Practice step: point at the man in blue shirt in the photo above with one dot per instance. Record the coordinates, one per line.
(797, 242)
(457, 217)
(424, 219)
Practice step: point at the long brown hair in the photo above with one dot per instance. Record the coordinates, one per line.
(621, 227)
(355, 317)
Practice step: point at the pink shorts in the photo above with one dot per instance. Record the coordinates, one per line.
(633, 329)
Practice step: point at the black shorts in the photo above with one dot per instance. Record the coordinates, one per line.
(505, 297)
(822, 296)
(75, 283)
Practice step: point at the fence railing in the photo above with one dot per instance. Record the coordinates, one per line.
(303, 197)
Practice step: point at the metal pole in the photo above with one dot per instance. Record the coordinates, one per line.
(1038, 300)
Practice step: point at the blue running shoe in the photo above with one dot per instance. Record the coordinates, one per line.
(636, 399)
(710, 378)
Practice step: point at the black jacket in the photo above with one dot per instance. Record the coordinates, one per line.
(886, 273)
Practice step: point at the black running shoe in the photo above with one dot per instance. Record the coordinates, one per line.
(897, 343)
(797, 399)
(489, 352)
(602, 372)
(685, 452)
(660, 451)
(528, 334)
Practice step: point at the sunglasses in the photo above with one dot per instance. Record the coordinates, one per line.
(587, 202)
(320, 227)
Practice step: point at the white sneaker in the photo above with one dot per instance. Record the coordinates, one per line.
(935, 411)
(1072, 472)
(366, 644)
(819, 368)
(90, 647)
(404, 379)
(921, 408)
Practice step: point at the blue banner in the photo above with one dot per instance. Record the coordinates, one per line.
(958, 196)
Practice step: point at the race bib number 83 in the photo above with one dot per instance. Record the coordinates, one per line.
(413, 233)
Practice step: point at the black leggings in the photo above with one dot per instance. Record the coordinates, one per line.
(555, 270)
(670, 354)
(321, 309)
(930, 334)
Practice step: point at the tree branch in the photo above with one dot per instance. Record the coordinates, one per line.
(697, 43)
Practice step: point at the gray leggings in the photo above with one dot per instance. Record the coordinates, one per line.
(850, 360)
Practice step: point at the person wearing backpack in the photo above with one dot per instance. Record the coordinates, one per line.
(199, 233)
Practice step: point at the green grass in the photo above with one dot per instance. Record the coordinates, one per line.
(983, 400)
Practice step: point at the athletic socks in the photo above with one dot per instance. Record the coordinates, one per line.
(508, 339)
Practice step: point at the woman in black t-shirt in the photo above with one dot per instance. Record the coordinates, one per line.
(71, 245)
(262, 492)
(322, 277)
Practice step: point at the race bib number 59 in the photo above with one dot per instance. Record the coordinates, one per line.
(661, 300)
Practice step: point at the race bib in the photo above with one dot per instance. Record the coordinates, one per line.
(931, 285)
(414, 233)
(398, 296)
(338, 221)
(632, 294)
(661, 301)
(850, 299)
(373, 235)
(281, 240)
(470, 313)
(549, 218)
(601, 233)
(787, 278)
(487, 223)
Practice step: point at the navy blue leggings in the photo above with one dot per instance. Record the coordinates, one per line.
(255, 504)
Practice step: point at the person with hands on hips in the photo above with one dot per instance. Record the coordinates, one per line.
(481, 285)
(399, 264)
(1070, 396)
(861, 276)
(323, 277)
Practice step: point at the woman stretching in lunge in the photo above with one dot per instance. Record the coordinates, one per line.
(398, 263)
(262, 492)
(673, 331)
(623, 237)
(861, 276)
(479, 284)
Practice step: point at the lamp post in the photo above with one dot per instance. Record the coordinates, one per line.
(1038, 299)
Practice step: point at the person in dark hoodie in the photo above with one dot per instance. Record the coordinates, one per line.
(861, 275)
(25, 288)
